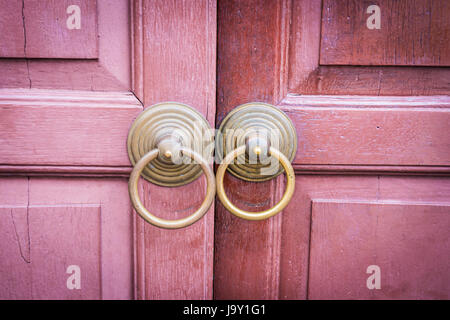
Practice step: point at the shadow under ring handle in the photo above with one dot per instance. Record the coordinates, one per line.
(164, 223)
(290, 186)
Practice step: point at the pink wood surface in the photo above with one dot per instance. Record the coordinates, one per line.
(15, 273)
(411, 33)
(12, 36)
(37, 29)
(408, 129)
(406, 240)
(174, 55)
(111, 71)
(61, 236)
(307, 76)
(251, 54)
(116, 228)
(45, 138)
(262, 56)
(247, 253)
(38, 127)
(403, 191)
(349, 149)
(47, 35)
(49, 224)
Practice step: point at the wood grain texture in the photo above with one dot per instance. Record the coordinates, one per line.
(376, 81)
(12, 36)
(116, 231)
(52, 223)
(14, 191)
(47, 35)
(245, 67)
(35, 255)
(371, 170)
(406, 240)
(37, 29)
(247, 253)
(15, 254)
(174, 59)
(391, 135)
(307, 76)
(111, 71)
(345, 130)
(49, 224)
(251, 67)
(61, 236)
(296, 242)
(65, 171)
(411, 33)
(38, 127)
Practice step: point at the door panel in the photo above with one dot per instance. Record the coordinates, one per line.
(372, 143)
(357, 194)
(56, 226)
(75, 59)
(404, 34)
(175, 60)
(39, 127)
(60, 237)
(384, 131)
(405, 239)
(307, 75)
(55, 223)
(64, 122)
(52, 29)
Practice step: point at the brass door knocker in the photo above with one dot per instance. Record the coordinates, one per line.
(161, 144)
(262, 133)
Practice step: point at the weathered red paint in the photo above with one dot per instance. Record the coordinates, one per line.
(372, 167)
(357, 127)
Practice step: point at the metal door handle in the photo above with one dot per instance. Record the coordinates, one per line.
(159, 141)
(256, 131)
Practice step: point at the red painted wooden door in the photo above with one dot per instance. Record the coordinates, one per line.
(369, 100)
(366, 84)
(74, 76)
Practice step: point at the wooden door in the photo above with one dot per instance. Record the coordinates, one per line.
(74, 76)
(370, 103)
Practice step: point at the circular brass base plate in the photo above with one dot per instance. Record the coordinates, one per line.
(176, 120)
(244, 121)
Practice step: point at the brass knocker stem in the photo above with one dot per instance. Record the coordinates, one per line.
(163, 223)
(290, 186)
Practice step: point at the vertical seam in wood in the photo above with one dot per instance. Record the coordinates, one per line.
(279, 227)
(141, 51)
(137, 78)
(205, 224)
(282, 50)
(207, 59)
(137, 48)
(309, 249)
(320, 34)
(135, 254)
(100, 258)
(28, 220)
(275, 224)
(211, 59)
(29, 239)
(25, 42)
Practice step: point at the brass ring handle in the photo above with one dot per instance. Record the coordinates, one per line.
(163, 223)
(290, 186)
